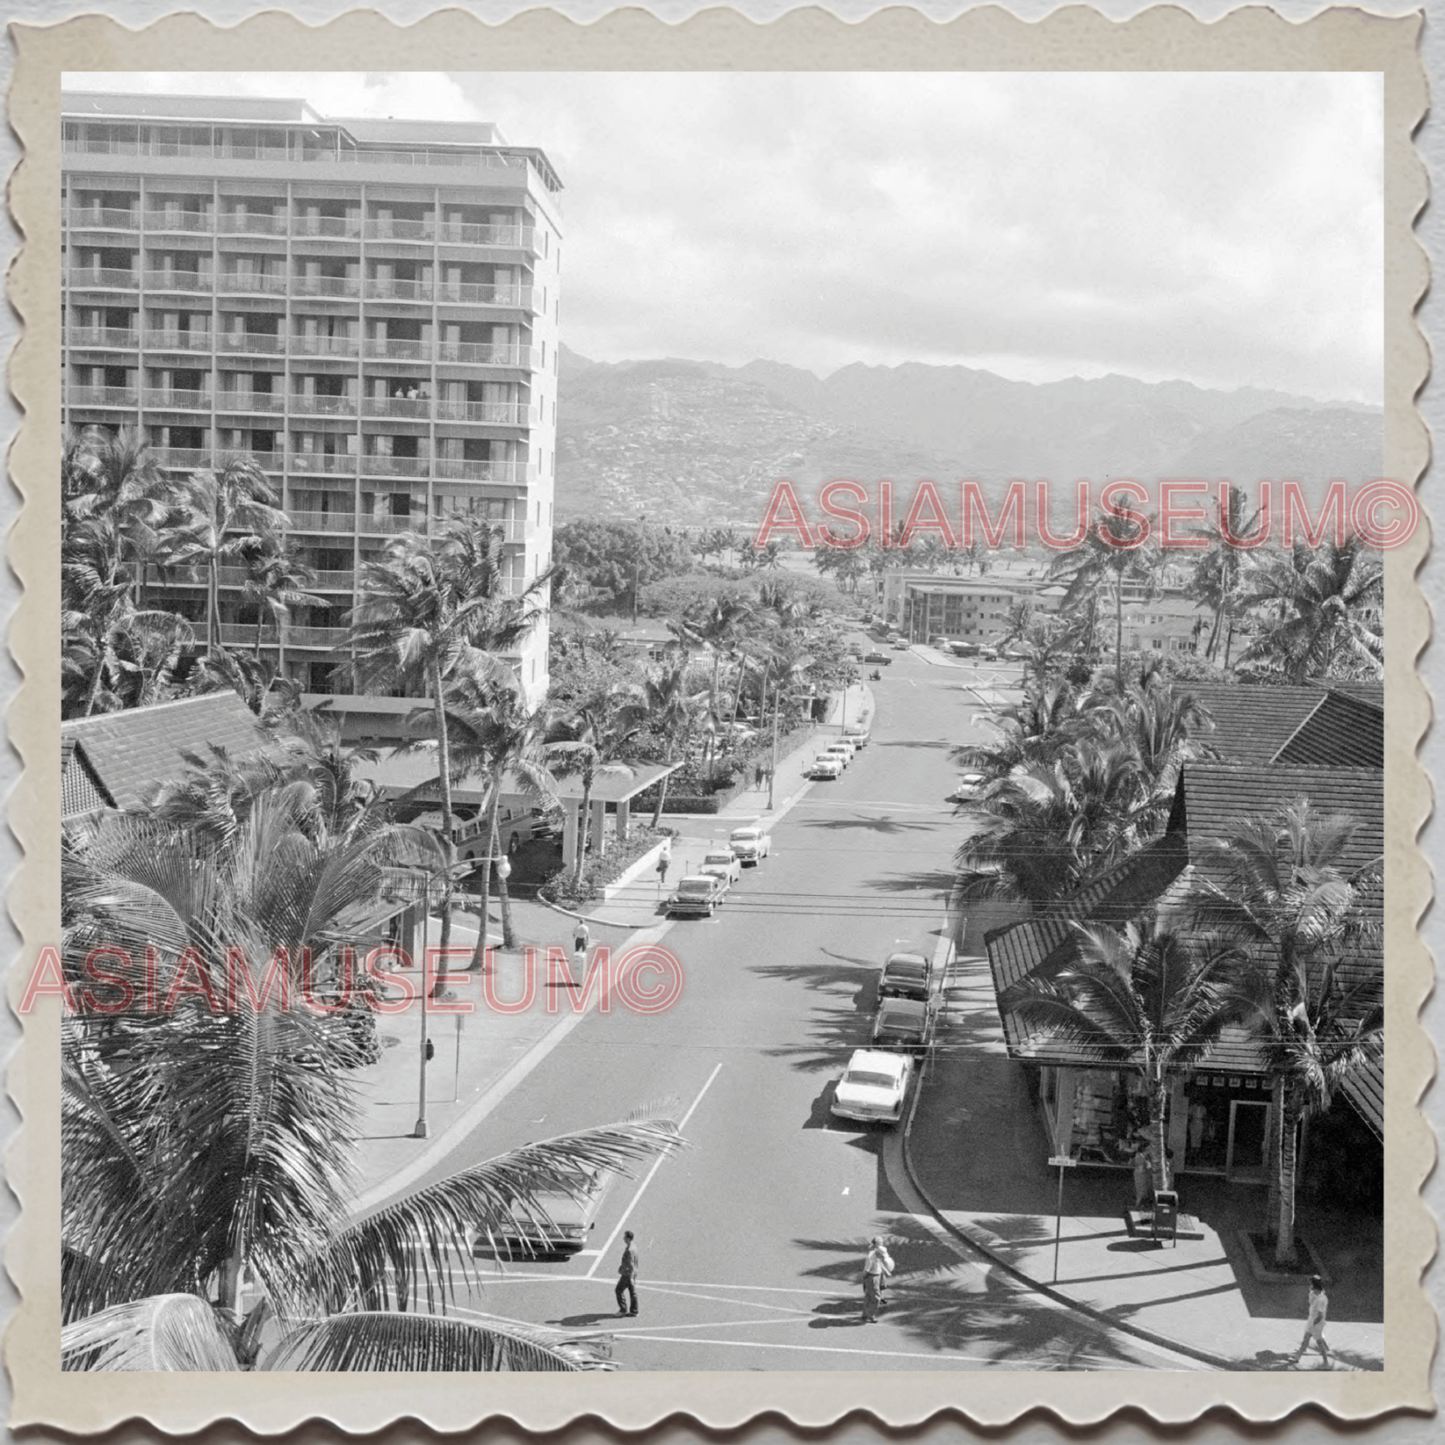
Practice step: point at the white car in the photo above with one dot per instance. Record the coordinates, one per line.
(826, 765)
(857, 734)
(699, 895)
(750, 845)
(873, 1087)
(722, 863)
(969, 787)
(552, 1224)
(841, 751)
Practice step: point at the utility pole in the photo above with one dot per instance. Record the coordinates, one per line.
(773, 770)
(422, 1130)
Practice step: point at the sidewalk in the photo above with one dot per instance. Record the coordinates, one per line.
(975, 1104)
(479, 1057)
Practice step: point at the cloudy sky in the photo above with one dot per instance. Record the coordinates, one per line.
(1225, 229)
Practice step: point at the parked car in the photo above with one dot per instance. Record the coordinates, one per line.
(881, 658)
(963, 649)
(699, 895)
(968, 787)
(750, 845)
(939, 642)
(721, 863)
(900, 644)
(858, 735)
(553, 1224)
(841, 751)
(989, 654)
(904, 1023)
(826, 765)
(873, 1087)
(905, 975)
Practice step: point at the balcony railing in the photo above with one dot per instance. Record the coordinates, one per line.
(485, 353)
(379, 289)
(398, 229)
(493, 413)
(513, 529)
(244, 634)
(195, 222)
(108, 278)
(255, 343)
(235, 283)
(419, 406)
(302, 345)
(465, 233)
(346, 227)
(387, 525)
(323, 521)
(102, 396)
(298, 636)
(479, 293)
(179, 280)
(376, 465)
(182, 458)
(469, 471)
(174, 399)
(178, 340)
(332, 581)
(322, 405)
(260, 401)
(326, 286)
(251, 223)
(327, 463)
(398, 348)
(104, 218)
(107, 336)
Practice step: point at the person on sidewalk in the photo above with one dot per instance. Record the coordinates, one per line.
(581, 937)
(876, 1269)
(1143, 1176)
(627, 1277)
(1319, 1309)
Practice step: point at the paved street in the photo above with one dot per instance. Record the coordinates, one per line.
(751, 1243)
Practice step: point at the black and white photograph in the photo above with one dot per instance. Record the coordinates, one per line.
(724, 721)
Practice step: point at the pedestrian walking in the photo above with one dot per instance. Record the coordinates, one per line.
(581, 937)
(627, 1277)
(759, 773)
(1319, 1309)
(876, 1269)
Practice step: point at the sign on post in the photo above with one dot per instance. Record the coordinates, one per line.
(1060, 1162)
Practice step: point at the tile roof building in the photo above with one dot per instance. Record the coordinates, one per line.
(369, 309)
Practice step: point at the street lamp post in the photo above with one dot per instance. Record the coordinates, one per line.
(422, 1130)
(773, 769)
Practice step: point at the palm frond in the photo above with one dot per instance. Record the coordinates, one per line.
(164, 1332)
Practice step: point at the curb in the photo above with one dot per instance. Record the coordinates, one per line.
(1218, 1362)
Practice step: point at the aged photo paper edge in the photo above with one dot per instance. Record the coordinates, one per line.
(1076, 38)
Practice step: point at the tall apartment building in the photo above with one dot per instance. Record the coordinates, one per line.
(368, 308)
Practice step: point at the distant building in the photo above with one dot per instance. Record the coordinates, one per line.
(368, 308)
(967, 609)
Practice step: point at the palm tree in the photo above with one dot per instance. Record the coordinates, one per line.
(1326, 602)
(1100, 561)
(590, 740)
(673, 712)
(1218, 572)
(716, 624)
(436, 609)
(1150, 998)
(207, 1218)
(231, 515)
(1284, 891)
(1036, 729)
(274, 581)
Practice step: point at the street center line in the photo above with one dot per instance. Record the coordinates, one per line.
(657, 1164)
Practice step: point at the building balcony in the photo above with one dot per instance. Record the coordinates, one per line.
(194, 281)
(251, 283)
(378, 465)
(324, 345)
(398, 349)
(379, 289)
(230, 223)
(485, 353)
(267, 402)
(182, 458)
(102, 218)
(345, 228)
(477, 293)
(509, 473)
(408, 406)
(323, 521)
(466, 234)
(104, 278)
(294, 635)
(347, 286)
(321, 405)
(386, 524)
(332, 581)
(401, 230)
(102, 396)
(492, 413)
(513, 529)
(178, 340)
(253, 343)
(335, 464)
(172, 399)
(196, 223)
(107, 337)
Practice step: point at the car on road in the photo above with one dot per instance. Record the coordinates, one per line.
(905, 975)
(552, 1224)
(722, 863)
(826, 765)
(989, 654)
(968, 787)
(699, 895)
(873, 1087)
(900, 644)
(841, 751)
(882, 658)
(750, 845)
(904, 1023)
(941, 643)
(858, 734)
